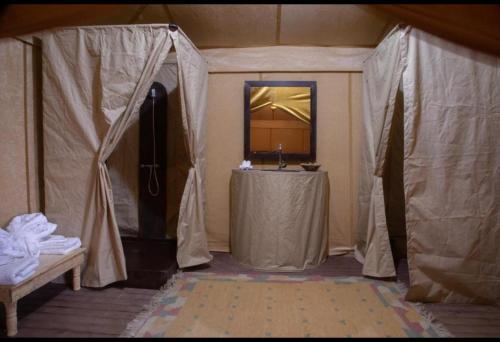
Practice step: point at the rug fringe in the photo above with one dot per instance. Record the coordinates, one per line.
(429, 318)
(432, 320)
(134, 325)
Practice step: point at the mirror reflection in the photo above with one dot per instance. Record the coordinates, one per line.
(280, 116)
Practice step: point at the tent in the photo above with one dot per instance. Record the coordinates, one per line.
(95, 78)
(435, 106)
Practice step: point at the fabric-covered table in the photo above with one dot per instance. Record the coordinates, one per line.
(279, 219)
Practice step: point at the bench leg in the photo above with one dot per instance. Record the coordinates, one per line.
(76, 278)
(11, 316)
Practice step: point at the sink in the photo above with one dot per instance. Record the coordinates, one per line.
(282, 170)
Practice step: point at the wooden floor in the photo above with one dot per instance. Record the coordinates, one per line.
(56, 311)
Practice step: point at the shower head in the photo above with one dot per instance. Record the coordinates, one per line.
(153, 93)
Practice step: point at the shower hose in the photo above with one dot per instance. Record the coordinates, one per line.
(152, 168)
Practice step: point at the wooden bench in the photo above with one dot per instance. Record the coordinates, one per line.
(51, 266)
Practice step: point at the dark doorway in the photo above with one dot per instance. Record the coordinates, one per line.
(393, 182)
(153, 164)
(151, 257)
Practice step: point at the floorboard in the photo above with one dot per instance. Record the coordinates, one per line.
(55, 310)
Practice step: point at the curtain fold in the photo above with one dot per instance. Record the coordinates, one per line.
(381, 76)
(451, 171)
(192, 245)
(95, 79)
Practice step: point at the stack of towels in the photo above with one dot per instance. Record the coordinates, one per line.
(23, 240)
(246, 165)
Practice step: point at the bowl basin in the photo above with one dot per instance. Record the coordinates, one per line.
(310, 167)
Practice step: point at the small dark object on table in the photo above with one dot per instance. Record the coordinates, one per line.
(310, 166)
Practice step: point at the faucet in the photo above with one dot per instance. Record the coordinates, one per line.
(281, 163)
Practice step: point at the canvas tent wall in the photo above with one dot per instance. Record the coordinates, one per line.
(451, 166)
(94, 81)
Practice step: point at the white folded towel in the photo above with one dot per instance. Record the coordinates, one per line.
(55, 245)
(17, 246)
(28, 243)
(33, 225)
(246, 165)
(23, 240)
(52, 240)
(18, 270)
(26, 220)
(8, 246)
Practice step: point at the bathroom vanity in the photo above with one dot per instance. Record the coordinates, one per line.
(279, 218)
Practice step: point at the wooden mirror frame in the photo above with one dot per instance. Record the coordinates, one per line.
(268, 156)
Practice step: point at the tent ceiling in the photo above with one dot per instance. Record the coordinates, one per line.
(264, 25)
(226, 26)
(332, 25)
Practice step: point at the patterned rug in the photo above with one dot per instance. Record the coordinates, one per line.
(202, 304)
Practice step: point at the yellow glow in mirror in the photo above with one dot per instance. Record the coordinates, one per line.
(280, 115)
(294, 100)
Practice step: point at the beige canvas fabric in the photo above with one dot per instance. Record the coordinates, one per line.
(187, 84)
(178, 163)
(451, 166)
(381, 76)
(95, 79)
(192, 245)
(123, 164)
(270, 212)
(285, 58)
(452, 171)
(123, 168)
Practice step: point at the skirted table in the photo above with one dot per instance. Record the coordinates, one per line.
(279, 219)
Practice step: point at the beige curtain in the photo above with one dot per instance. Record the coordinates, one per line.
(452, 171)
(381, 76)
(123, 164)
(123, 169)
(192, 245)
(451, 168)
(95, 79)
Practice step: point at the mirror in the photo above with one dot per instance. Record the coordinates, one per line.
(280, 112)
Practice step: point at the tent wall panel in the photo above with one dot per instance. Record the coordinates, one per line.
(286, 59)
(19, 141)
(224, 150)
(338, 113)
(333, 146)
